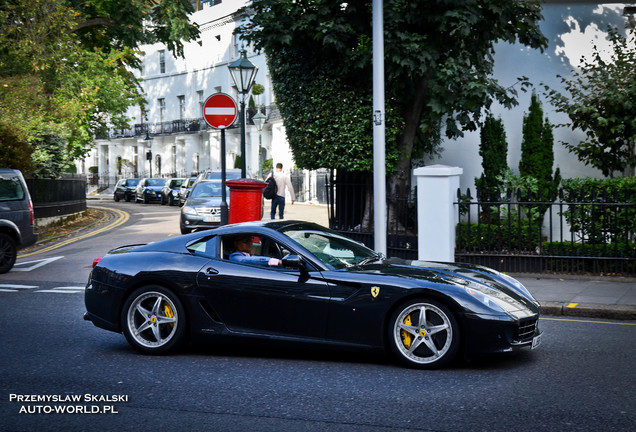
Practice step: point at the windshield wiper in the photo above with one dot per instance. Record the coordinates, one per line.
(372, 258)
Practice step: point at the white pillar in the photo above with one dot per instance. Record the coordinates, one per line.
(436, 214)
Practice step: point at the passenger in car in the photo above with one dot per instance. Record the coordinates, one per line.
(243, 254)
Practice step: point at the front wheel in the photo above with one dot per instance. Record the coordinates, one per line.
(424, 334)
(153, 320)
(8, 253)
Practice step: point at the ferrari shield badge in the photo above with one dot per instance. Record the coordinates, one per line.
(375, 291)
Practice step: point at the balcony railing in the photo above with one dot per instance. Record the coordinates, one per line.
(182, 126)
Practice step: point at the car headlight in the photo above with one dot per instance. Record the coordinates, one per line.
(189, 210)
(494, 299)
(175, 193)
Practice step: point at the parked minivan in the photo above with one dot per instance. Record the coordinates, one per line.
(16, 217)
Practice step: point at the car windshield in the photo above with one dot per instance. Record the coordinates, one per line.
(331, 248)
(175, 183)
(207, 189)
(132, 182)
(155, 182)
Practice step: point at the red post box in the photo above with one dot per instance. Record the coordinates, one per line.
(246, 200)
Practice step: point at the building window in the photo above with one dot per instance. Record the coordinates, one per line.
(162, 61)
(181, 99)
(195, 162)
(201, 102)
(162, 109)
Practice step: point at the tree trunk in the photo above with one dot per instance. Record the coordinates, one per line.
(397, 181)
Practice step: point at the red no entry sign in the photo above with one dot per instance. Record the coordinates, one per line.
(220, 111)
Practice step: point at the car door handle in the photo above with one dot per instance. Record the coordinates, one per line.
(211, 271)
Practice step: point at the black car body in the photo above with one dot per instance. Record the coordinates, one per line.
(202, 209)
(125, 189)
(170, 192)
(16, 217)
(330, 290)
(150, 190)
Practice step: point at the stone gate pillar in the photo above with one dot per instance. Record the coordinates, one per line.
(436, 214)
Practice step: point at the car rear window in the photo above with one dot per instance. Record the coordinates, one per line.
(11, 188)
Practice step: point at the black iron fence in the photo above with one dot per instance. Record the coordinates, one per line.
(350, 207)
(575, 232)
(57, 197)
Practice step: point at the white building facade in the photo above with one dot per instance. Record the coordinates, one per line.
(181, 144)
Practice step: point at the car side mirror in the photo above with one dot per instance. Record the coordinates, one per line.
(294, 261)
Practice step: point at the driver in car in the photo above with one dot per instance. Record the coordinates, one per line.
(243, 254)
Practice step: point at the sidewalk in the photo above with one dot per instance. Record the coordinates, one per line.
(569, 295)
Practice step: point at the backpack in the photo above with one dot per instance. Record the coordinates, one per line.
(270, 190)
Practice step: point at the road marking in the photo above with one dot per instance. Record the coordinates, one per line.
(122, 217)
(15, 288)
(590, 321)
(64, 290)
(37, 263)
(572, 305)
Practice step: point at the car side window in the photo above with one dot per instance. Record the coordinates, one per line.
(11, 189)
(206, 246)
(258, 246)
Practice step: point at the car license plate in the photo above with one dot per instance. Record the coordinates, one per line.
(536, 341)
(213, 218)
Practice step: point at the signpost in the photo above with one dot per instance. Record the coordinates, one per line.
(220, 111)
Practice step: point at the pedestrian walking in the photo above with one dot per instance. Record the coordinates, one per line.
(283, 183)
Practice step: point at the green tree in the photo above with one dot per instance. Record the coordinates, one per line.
(493, 149)
(438, 65)
(600, 99)
(66, 69)
(537, 148)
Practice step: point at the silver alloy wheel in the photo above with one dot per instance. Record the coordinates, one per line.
(423, 334)
(152, 319)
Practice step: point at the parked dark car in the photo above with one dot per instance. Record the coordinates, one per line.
(125, 189)
(16, 217)
(202, 209)
(170, 192)
(329, 290)
(185, 189)
(150, 190)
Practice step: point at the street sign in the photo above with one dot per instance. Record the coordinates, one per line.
(220, 111)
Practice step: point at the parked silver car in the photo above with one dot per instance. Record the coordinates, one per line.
(16, 217)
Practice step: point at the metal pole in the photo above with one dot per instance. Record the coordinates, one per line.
(243, 155)
(379, 153)
(224, 209)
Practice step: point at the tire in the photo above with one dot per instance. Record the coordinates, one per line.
(116, 198)
(423, 334)
(154, 320)
(185, 230)
(127, 198)
(8, 252)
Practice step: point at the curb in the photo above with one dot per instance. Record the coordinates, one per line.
(616, 312)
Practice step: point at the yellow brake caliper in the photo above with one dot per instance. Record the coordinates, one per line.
(406, 337)
(169, 312)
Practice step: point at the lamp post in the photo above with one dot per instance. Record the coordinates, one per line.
(259, 121)
(149, 152)
(243, 72)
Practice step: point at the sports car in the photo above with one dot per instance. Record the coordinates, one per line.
(329, 290)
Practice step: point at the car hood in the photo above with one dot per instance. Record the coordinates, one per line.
(154, 188)
(474, 280)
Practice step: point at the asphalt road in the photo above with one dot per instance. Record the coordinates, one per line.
(581, 378)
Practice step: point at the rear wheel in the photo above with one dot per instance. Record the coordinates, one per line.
(424, 334)
(8, 253)
(153, 320)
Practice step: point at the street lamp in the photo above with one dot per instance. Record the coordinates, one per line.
(259, 121)
(243, 72)
(149, 152)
